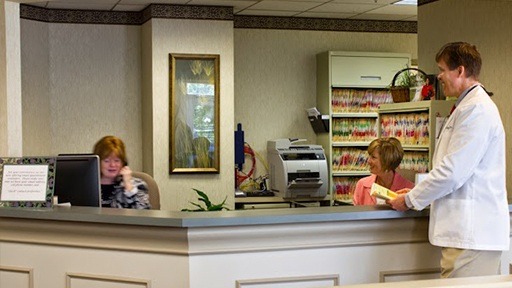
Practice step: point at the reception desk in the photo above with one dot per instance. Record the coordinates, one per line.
(76, 247)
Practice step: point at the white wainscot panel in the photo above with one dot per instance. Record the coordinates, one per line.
(16, 277)
(76, 267)
(352, 264)
(409, 275)
(290, 282)
(76, 280)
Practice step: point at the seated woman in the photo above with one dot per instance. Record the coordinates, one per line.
(385, 155)
(118, 188)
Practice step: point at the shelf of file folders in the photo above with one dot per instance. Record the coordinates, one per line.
(412, 129)
(350, 165)
(349, 100)
(353, 130)
(343, 187)
(354, 161)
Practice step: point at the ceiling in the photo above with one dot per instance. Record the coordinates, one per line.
(341, 9)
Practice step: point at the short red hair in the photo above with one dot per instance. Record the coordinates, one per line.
(108, 145)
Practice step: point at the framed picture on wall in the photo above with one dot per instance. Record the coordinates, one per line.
(194, 113)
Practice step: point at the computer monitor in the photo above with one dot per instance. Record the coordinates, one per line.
(77, 180)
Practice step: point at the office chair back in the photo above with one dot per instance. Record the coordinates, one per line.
(407, 174)
(153, 190)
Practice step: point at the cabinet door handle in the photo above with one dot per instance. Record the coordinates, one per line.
(372, 78)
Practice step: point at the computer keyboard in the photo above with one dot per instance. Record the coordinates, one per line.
(260, 194)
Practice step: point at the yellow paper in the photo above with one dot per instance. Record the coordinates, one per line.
(382, 192)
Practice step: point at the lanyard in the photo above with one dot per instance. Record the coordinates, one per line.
(465, 93)
(462, 96)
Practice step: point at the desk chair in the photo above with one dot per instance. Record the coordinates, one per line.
(407, 174)
(153, 191)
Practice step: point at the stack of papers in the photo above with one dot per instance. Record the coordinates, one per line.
(313, 112)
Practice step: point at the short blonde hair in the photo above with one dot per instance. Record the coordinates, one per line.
(108, 145)
(390, 151)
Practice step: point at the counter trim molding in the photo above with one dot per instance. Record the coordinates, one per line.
(160, 218)
(197, 250)
(206, 233)
(95, 236)
(325, 235)
(211, 239)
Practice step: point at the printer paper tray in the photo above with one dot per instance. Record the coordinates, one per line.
(305, 184)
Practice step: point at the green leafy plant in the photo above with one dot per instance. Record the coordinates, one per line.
(410, 78)
(208, 204)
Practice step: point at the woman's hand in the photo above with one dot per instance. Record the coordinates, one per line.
(126, 173)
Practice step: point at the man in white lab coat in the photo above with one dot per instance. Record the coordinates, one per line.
(469, 215)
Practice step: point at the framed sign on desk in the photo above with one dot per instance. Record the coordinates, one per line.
(27, 181)
(194, 113)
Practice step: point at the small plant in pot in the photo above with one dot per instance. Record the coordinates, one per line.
(405, 82)
(208, 206)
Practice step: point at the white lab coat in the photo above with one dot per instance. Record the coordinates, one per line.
(467, 186)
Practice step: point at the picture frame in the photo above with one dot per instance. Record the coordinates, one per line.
(47, 164)
(194, 113)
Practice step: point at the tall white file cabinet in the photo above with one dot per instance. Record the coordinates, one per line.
(350, 88)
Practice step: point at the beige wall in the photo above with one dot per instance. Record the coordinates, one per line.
(199, 37)
(3, 81)
(35, 64)
(487, 24)
(83, 81)
(90, 80)
(10, 81)
(80, 82)
(269, 104)
(275, 78)
(147, 97)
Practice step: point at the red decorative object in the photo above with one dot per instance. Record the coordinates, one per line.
(427, 92)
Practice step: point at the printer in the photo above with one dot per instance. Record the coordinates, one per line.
(297, 171)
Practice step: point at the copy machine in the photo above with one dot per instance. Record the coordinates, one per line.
(297, 171)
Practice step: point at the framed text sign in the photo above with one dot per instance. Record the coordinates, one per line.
(27, 181)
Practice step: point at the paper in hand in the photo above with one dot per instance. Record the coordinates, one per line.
(382, 192)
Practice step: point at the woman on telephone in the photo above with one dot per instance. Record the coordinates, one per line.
(118, 188)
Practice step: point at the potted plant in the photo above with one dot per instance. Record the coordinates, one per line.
(208, 204)
(405, 83)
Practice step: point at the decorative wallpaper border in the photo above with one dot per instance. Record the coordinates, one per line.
(323, 24)
(79, 16)
(126, 18)
(214, 13)
(187, 12)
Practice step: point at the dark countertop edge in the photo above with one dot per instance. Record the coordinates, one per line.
(171, 219)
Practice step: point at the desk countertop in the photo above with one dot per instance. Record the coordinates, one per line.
(162, 218)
